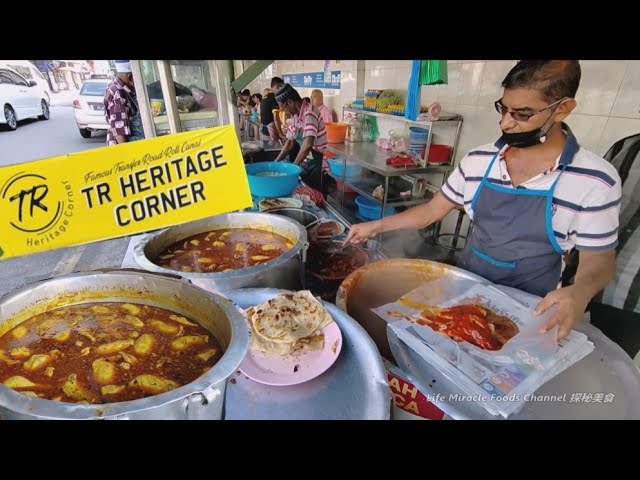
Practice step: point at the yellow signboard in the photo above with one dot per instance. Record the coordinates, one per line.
(120, 190)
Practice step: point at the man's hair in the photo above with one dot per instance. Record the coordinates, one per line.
(246, 92)
(287, 92)
(555, 79)
(276, 82)
(258, 96)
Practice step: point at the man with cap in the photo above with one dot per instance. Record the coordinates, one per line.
(306, 128)
(121, 107)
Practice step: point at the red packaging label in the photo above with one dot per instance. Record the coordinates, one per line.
(407, 397)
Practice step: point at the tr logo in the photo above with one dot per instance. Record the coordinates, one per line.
(33, 211)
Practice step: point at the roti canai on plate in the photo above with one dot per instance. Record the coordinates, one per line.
(288, 322)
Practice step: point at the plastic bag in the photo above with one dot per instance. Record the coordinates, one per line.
(501, 378)
(539, 348)
(205, 99)
(186, 103)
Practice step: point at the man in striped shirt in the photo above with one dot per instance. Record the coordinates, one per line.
(307, 128)
(533, 195)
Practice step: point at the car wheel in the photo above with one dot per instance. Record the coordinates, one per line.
(85, 133)
(45, 110)
(10, 117)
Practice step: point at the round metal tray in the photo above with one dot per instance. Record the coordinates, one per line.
(354, 388)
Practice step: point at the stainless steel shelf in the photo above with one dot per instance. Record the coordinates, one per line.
(444, 117)
(347, 213)
(369, 156)
(363, 187)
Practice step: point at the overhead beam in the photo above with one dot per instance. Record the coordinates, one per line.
(249, 75)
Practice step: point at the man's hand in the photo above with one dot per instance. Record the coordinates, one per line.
(595, 270)
(413, 219)
(570, 303)
(362, 232)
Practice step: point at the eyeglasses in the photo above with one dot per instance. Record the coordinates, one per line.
(521, 116)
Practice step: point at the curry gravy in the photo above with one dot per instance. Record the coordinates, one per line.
(105, 352)
(223, 250)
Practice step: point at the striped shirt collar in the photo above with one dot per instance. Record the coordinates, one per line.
(569, 151)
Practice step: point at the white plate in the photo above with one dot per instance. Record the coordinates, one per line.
(298, 367)
(286, 202)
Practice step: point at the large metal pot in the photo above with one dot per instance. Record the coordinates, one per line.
(300, 215)
(285, 271)
(383, 282)
(200, 399)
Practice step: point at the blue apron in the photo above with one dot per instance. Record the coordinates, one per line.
(513, 242)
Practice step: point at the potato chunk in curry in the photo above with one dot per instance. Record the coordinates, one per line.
(223, 250)
(104, 352)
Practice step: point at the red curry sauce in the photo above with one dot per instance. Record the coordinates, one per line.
(477, 325)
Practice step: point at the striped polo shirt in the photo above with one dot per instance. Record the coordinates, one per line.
(586, 199)
(309, 122)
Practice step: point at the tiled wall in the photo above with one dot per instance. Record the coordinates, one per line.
(608, 98)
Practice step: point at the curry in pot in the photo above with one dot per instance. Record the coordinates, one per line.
(105, 352)
(223, 250)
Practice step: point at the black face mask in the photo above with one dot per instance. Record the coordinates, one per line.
(526, 139)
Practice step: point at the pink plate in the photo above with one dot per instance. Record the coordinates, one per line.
(299, 367)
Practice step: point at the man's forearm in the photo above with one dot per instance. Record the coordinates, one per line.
(595, 270)
(285, 150)
(302, 154)
(121, 139)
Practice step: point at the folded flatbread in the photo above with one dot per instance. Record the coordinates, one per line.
(288, 322)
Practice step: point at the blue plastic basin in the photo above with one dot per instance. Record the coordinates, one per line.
(276, 185)
(371, 210)
(335, 167)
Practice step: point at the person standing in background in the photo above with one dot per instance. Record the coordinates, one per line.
(256, 99)
(317, 100)
(121, 108)
(267, 105)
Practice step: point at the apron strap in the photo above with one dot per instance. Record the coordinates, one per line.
(549, 214)
(483, 181)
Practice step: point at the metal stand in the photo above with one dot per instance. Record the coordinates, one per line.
(455, 236)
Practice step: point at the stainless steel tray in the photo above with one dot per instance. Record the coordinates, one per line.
(355, 387)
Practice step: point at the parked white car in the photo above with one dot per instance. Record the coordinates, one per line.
(28, 71)
(88, 108)
(20, 99)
